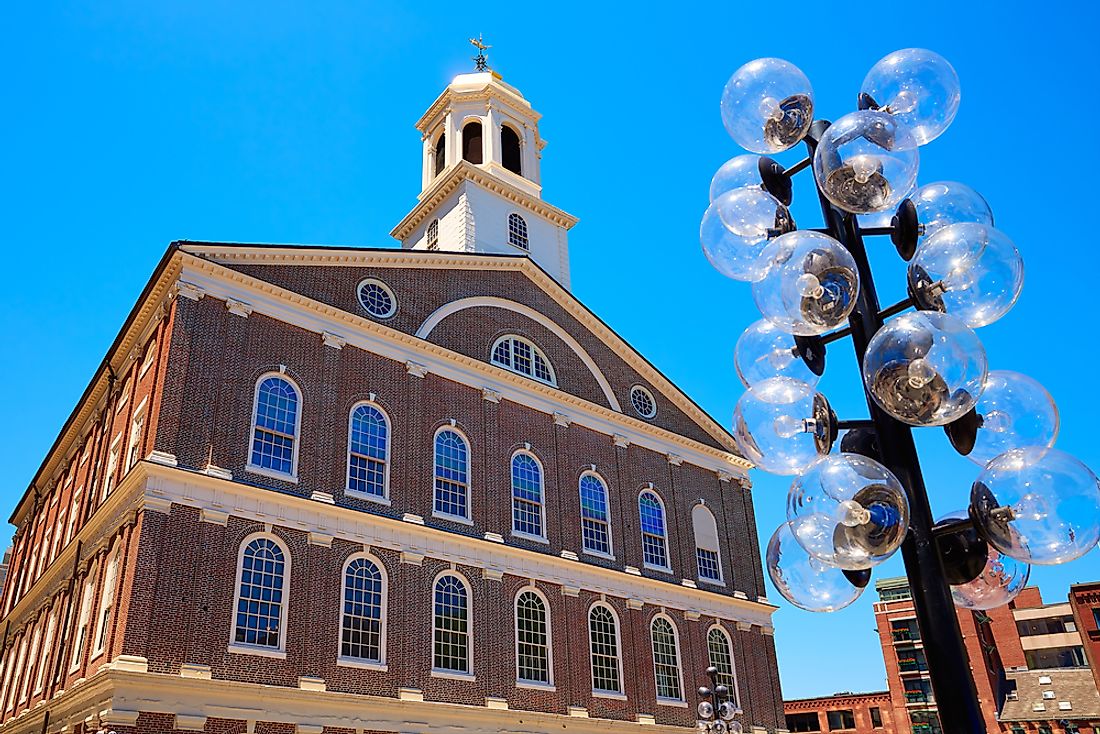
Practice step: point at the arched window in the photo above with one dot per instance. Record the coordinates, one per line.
(362, 630)
(654, 539)
(275, 420)
(526, 495)
(510, 154)
(440, 153)
(720, 655)
(433, 235)
(519, 355)
(706, 544)
(368, 451)
(452, 477)
(595, 521)
(452, 625)
(603, 639)
(666, 659)
(532, 638)
(517, 232)
(471, 142)
(261, 588)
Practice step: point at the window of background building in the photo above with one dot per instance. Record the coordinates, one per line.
(910, 659)
(904, 630)
(876, 717)
(1072, 656)
(808, 721)
(843, 719)
(1046, 625)
(925, 722)
(918, 690)
(1096, 615)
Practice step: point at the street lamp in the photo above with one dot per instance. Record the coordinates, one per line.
(922, 364)
(717, 708)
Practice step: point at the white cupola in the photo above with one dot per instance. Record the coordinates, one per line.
(480, 188)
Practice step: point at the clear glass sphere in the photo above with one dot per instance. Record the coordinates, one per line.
(947, 202)
(764, 351)
(736, 173)
(767, 105)
(808, 283)
(1015, 412)
(733, 727)
(781, 425)
(705, 709)
(735, 230)
(884, 218)
(866, 162)
(1038, 505)
(726, 711)
(803, 580)
(925, 368)
(917, 86)
(1002, 579)
(849, 511)
(971, 271)
(719, 727)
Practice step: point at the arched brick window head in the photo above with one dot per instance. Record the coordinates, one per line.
(510, 150)
(471, 142)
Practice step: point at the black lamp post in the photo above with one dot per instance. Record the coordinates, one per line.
(717, 707)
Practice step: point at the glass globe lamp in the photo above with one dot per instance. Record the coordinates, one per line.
(705, 710)
(1014, 412)
(848, 511)
(733, 727)
(884, 218)
(866, 162)
(764, 351)
(808, 283)
(803, 580)
(767, 105)
(726, 711)
(1038, 505)
(782, 425)
(736, 173)
(918, 87)
(925, 368)
(735, 230)
(1001, 581)
(947, 202)
(971, 271)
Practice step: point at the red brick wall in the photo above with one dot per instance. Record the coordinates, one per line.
(859, 704)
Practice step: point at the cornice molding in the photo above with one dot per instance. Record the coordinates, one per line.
(516, 103)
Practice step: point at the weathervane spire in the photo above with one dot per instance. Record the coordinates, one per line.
(480, 63)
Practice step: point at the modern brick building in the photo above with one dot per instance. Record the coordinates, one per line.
(856, 713)
(338, 490)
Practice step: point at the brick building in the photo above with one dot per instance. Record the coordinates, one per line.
(856, 713)
(339, 490)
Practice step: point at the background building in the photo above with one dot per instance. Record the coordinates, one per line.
(340, 490)
(862, 713)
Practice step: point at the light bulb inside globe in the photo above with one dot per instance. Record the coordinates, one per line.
(1013, 412)
(866, 162)
(1038, 505)
(767, 105)
(806, 581)
(808, 283)
(971, 271)
(925, 368)
(918, 87)
(783, 425)
(848, 511)
(764, 350)
(736, 228)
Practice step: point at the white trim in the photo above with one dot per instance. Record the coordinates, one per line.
(542, 497)
(385, 498)
(549, 683)
(383, 286)
(466, 519)
(383, 612)
(733, 660)
(652, 401)
(256, 469)
(717, 550)
(679, 661)
(535, 350)
(284, 605)
(610, 554)
(467, 674)
(599, 692)
(462, 304)
(344, 662)
(667, 568)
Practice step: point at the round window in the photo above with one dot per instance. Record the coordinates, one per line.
(376, 297)
(643, 402)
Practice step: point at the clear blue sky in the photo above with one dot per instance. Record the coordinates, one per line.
(128, 125)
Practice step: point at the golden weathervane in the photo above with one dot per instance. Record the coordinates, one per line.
(479, 60)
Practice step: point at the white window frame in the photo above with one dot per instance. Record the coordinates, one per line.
(148, 357)
(652, 400)
(274, 474)
(137, 432)
(542, 497)
(663, 700)
(610, 554)
(468, 674)
(385, 498)
(466, 519)
(733, 659)
(547, 685)
(74, 512)
(12, 693)
(80, 635)
(45, 655)
(113, 455)
(535, 349)
(383, 612)
(526, 230)
(106, 605)
(667, 568)
(261, 650)
(430, 243)
(124, 394)
(389, 291)
(31, 664)
(599, 692)
(717, 550)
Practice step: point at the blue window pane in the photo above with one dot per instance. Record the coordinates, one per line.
(451, 467)
(526, 495)
(369, 448)
(652, 518)
(361, 627)
(259, 605)
(276, 423)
